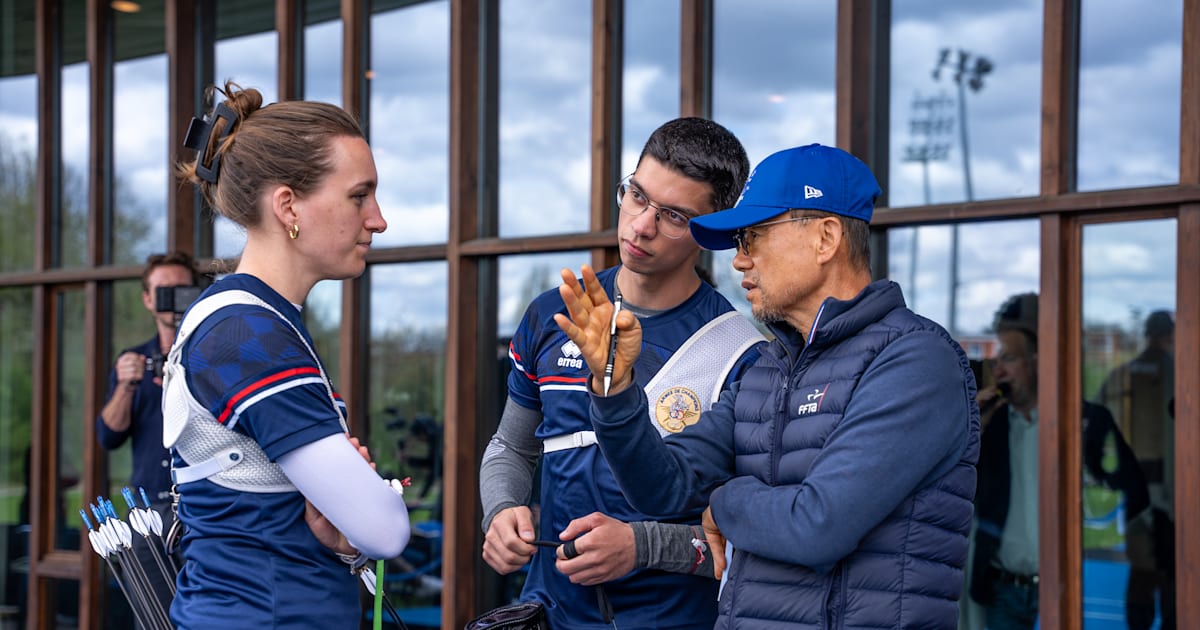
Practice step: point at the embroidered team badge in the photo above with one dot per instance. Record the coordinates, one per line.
(677, 407)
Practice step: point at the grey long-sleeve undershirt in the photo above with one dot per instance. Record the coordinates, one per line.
(506, 480)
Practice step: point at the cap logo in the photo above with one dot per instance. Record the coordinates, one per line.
(811, 193)
(744, 189)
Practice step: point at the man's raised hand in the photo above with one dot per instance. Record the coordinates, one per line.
(588, 323)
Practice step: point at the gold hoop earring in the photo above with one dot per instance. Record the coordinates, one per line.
(294, 231)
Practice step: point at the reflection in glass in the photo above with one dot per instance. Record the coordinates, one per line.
(140, 173)
(18, 170)
(995, 260)
(650, 83)
(545, 109)
(965, 116)
(64, 601)
(131, 325)
(758, 45)
(523, 278)
(409, 128)
(323, 318)
(1128, 363)
(71, 233)
(16, 419)
(322, 53)
(760, 98)
(406, 392)
(246, 53)
(1129, 91)
(728, 282)
(69, 406)
(1001, 576)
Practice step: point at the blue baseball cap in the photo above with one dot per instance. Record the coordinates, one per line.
(812, 177)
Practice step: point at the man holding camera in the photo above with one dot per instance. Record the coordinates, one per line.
(134, 405)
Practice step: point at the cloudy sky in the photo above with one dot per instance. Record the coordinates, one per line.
(774, 83)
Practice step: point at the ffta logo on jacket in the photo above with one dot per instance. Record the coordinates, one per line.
(811, 403)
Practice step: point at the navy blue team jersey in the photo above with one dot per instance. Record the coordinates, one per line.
(550, 375)
(249, 558)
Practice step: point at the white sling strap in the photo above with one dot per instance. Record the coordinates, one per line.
(213, 450)
(689, 382)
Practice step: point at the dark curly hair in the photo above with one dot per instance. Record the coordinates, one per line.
(700, 149)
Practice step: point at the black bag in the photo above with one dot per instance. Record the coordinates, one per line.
(519, 616)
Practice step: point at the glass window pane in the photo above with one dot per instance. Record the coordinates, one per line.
(71, 233)
(1128, 368)
(18, 169)
(247, 46)
(64, 603)
(406, 414)
(16, 418)
(772, 107)
(131, 325)
(758, 92)
(1129, 91)
(650, 83)
(68, 392)
(994, 260)
(322, 52)
(525, 277)
(140, 148)
(409, 128)
(323, 318)
(246, 54)
(545, 116)
(965, 101)
(999, 334)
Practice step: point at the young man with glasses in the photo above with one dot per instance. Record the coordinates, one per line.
(655, 574)
(841, 466)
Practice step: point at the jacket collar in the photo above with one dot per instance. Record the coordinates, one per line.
(842, 319)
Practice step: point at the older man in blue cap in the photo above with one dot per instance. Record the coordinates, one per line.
(841, 467)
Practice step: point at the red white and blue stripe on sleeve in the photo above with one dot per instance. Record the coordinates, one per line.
(269, 385)
(246, 358)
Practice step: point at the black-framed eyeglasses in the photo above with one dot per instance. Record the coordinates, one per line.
(633, 202)
(745, 237)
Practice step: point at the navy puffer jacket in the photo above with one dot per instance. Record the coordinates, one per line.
(842, 471)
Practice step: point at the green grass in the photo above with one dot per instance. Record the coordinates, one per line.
(1099, 501)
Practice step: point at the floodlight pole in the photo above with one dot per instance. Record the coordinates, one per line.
(927, 125)
(972, 75)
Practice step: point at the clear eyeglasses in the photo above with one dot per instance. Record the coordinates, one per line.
(632, 201)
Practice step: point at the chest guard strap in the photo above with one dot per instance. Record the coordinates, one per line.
(693, 378)
(225, 457)
(689, 382)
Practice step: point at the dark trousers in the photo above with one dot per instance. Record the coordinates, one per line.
(1015, 607)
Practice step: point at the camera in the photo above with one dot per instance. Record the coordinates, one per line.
(155, 364)
(175, 299)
